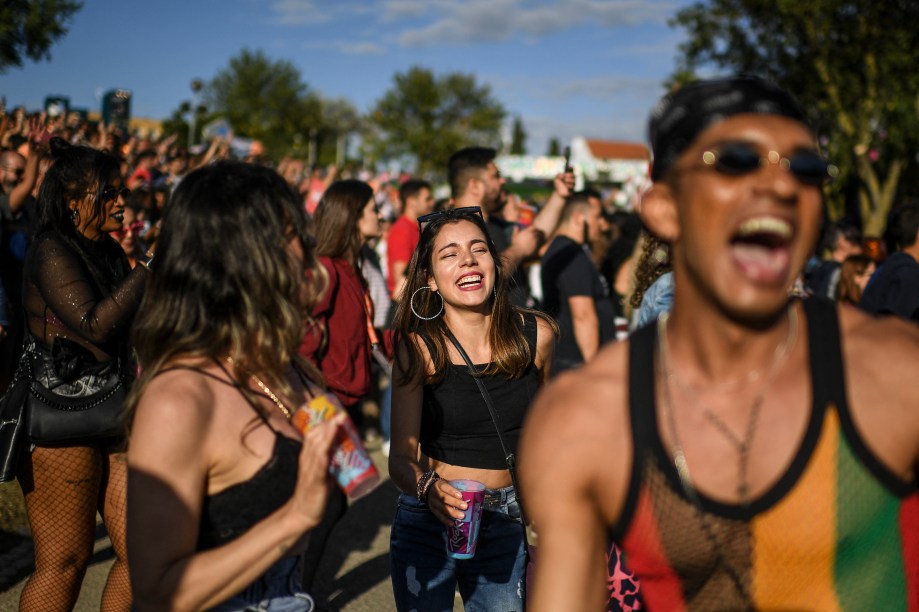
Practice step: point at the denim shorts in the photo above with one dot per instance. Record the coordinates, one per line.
(425, 578)
(277, 590)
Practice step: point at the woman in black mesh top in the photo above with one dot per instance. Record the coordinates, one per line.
(80, 296)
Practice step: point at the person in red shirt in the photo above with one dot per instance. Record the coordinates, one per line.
(417, 200)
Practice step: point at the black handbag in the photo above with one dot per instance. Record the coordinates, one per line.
(93, 408)
(12, 420)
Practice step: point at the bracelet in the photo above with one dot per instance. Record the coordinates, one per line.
(424, 484)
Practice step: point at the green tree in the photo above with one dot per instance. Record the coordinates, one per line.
(28, 28)
(851, 63)
(266, 100)
(518, 138)
(555, 147)
(429, 117)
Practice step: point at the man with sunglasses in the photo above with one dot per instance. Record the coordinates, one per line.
(748, 450)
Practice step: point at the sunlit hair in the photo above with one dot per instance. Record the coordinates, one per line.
(75, 173)
(510, 352)
(848, 291)
(336, 220)
(225, 282)
(654, 260)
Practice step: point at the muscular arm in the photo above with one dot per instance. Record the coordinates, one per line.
(569, 452)
(586, 325)
(170, 456)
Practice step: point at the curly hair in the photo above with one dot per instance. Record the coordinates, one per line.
(653, 262)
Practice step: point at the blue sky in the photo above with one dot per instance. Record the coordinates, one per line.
(568, 68)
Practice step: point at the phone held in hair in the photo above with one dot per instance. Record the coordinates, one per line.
(351, 465)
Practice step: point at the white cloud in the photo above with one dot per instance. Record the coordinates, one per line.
(500, 20)
(348, 47)
(299, 12)
(313, 12)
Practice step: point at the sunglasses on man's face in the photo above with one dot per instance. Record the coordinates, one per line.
(15, 170)
(451, 213)
(739, 158)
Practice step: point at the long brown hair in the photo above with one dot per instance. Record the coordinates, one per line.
(336, 220)
(224, 282)
(509, 349)
(847, 290)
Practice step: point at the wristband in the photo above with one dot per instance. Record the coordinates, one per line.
(147, 262)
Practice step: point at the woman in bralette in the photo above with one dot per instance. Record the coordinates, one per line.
(441, 427)
(222, 487)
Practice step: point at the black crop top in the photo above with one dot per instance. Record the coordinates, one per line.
(456, 426)
(230, 513)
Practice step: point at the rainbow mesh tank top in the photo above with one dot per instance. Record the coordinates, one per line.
(838, 531)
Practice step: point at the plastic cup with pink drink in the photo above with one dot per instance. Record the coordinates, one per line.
(463, 534)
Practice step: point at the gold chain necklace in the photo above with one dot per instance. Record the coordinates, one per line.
(269, 393)
(742, 446)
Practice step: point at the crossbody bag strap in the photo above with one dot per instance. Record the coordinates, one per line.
(509, 458)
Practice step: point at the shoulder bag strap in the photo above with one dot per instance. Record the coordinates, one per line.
(509, 458)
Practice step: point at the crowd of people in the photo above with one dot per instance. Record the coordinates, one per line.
(699, 425)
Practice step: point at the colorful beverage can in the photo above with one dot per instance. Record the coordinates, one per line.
(351, 465)
(463, 534)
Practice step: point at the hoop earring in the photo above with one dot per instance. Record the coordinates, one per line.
(73, 215)
(411, 304)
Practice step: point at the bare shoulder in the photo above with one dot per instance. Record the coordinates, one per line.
(546, 334)
(173, 418)
(578, 429)
(880, 356)
(879, 348)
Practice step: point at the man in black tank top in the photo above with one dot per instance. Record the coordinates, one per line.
(686, 441)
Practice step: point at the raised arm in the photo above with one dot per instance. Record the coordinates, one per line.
(547, 219)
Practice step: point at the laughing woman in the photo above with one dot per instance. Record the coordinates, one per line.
(442, 429)
(80, 297)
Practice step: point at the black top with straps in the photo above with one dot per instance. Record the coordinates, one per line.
(456, 426)
(230, 513)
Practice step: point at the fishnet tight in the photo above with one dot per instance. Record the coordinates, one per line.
(63, 489)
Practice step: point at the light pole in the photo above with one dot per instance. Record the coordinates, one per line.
(196, 86)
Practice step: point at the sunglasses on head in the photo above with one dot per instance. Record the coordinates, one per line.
(450, 213)
(739, 158)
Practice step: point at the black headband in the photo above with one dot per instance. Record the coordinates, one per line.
(681, 116)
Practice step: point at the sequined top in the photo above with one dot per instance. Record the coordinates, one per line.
(82, 290)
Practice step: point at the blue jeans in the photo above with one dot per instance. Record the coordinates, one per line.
(278, 590)
(425, 578)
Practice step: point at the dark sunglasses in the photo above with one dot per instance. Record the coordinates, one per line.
(19, 172)
(739, 158)
(450, 213)
(110, 193)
